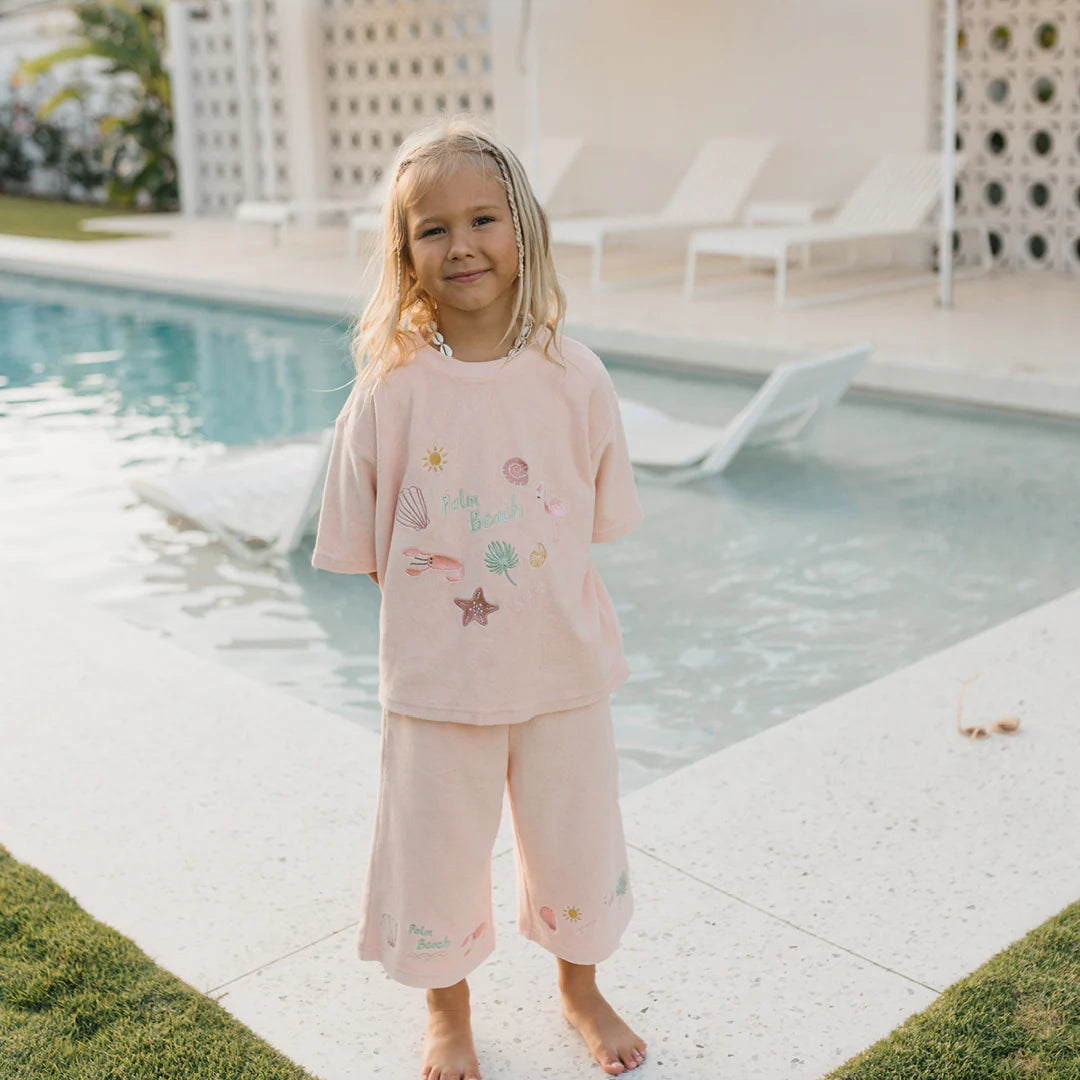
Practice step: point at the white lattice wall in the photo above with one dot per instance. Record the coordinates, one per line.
(215, 107)
(1018, 126)
(310, 98)
(268, 99)
(390, 64)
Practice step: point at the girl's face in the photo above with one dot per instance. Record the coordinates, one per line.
(462, 245)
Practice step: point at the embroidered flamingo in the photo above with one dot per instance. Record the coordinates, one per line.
(422, 561)
(555, 507)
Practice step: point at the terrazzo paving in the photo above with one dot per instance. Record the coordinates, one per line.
(797, 895)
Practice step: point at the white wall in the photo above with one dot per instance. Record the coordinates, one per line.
(836, 82)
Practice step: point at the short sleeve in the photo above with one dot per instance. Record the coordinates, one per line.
(616, 509)
(345, 541)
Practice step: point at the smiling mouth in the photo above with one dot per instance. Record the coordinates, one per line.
(467, 276)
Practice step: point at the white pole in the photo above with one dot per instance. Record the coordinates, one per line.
(948, 156)
(299, 32)
(178, 61)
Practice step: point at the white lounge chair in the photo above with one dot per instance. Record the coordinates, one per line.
(255, 499)
(264, 500)
(711, 192)
(894, 201)
(790, 403)
(279, 215)
(557, 154)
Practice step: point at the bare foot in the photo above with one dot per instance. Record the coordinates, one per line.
(448, 1044)
(606, 1034)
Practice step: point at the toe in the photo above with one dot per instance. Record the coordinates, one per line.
(613, 1066)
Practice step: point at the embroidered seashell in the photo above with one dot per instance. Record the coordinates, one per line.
(411, 509)
(537, 556)
(549, 917)
(516, 471)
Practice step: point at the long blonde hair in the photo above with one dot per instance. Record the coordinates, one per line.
(399, 311)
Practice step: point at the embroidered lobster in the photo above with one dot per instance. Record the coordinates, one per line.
(423, 561)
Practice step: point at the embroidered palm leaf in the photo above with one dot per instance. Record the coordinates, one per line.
(501, 558)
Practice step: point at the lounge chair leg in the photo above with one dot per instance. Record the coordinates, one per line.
(691, 273)
(781, 278)
(597, 262)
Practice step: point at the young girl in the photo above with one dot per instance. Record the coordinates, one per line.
(477, 457)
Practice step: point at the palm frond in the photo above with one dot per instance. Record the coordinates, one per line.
(501, 558)
(40, 64)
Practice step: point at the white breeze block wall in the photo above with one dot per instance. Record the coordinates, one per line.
(308, 99)
(389, 65)
(1018, 124)
(228, 98)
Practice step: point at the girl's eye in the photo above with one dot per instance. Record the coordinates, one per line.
(431, 232)
(483, 219)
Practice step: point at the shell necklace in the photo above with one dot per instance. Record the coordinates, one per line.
(439, 341)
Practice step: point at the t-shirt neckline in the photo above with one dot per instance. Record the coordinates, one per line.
(470, 369)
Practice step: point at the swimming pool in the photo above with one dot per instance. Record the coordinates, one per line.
(745, 599)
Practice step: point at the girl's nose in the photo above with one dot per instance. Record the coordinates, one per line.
(460, 244)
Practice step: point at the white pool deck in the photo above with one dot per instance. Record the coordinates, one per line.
(799, 894)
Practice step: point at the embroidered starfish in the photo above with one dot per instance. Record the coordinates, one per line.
(476, 608)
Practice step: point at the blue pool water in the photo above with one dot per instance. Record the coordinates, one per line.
(746, 599)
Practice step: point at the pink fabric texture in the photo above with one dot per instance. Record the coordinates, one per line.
(475, 491)
(427, 911)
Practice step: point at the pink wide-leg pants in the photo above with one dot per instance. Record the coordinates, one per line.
(427, 914)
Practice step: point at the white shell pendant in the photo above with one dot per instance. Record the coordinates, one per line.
(440, 343)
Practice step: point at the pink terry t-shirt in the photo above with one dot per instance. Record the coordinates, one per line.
(475, 490)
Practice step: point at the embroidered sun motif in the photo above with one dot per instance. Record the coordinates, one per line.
(434, 459)
(572, 914)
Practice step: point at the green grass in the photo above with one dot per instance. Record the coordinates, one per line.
(55, 220)
(1015, 1018)
(79, 1001)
